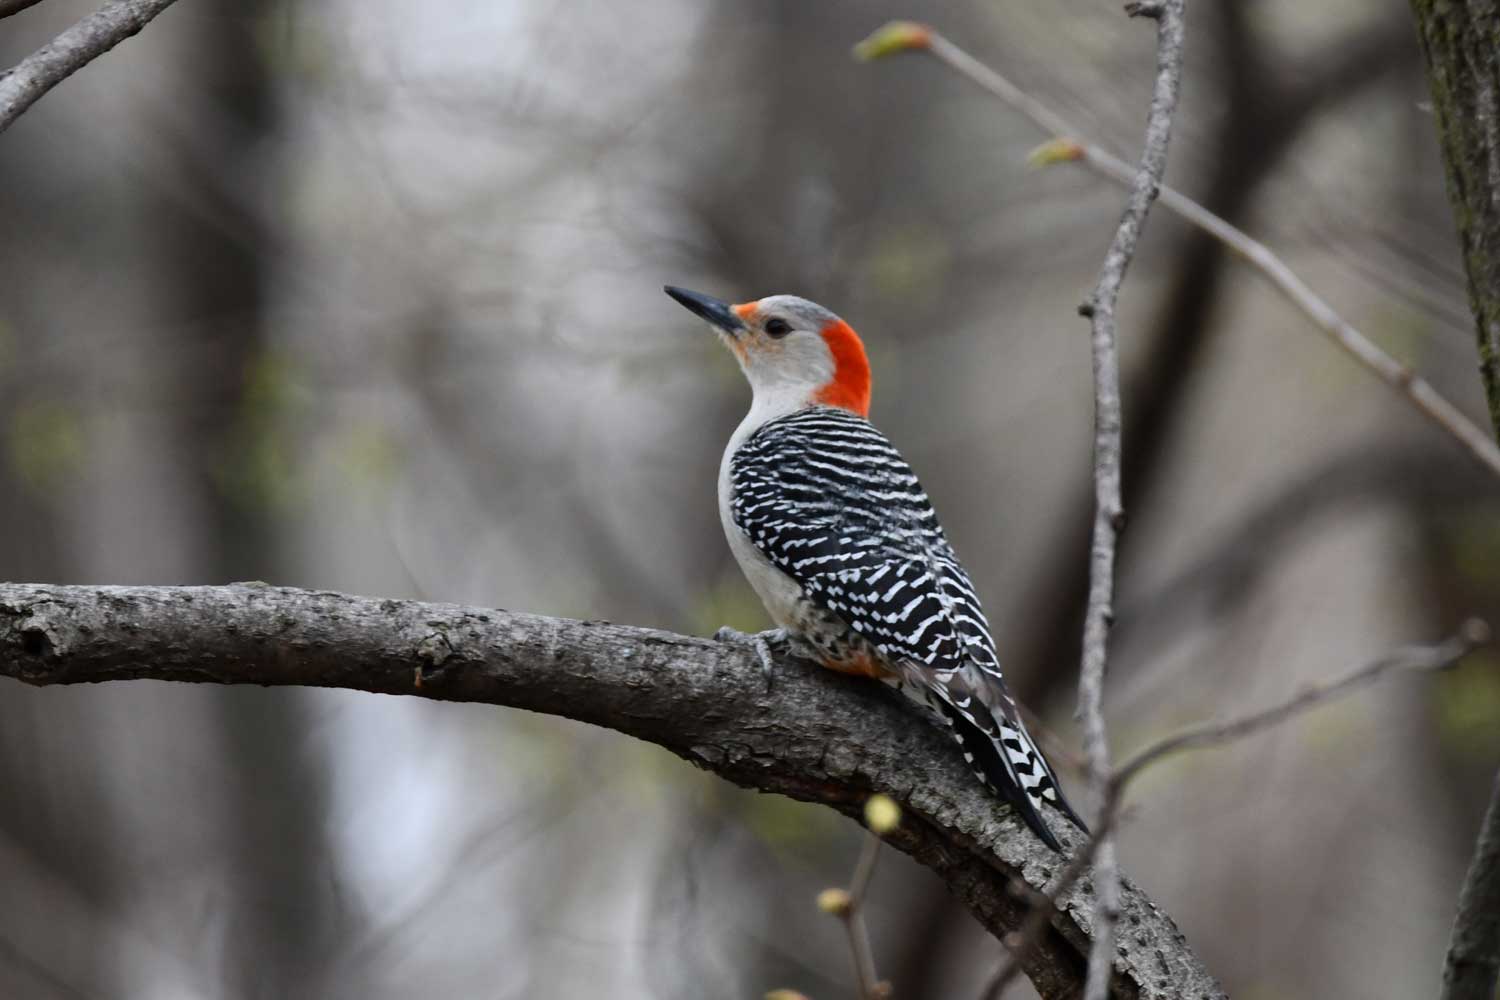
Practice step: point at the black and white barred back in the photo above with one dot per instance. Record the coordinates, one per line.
(829, 501)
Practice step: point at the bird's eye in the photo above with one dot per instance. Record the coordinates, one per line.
(778, 327)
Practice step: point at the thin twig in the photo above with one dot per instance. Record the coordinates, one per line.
(1472, 634)
(854, 921)
(76, 47)
(1068, 146)
(882, 815)
(1109, 513)
(1474, 948)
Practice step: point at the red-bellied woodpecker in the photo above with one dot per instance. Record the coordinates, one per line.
(840, 542)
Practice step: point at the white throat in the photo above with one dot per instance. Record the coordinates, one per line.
(770, 402)
(785, 376)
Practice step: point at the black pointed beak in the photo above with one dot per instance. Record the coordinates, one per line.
(720, 314)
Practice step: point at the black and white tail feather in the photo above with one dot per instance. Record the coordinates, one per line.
(1000, 752)
(827, 499)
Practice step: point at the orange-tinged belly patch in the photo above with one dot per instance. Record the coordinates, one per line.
(858, 662)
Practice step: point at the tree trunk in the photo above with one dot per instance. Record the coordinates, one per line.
(1461, 43)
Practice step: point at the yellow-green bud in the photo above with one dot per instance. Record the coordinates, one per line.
(882, 815)
(834, 901)
(897, 36)
(1057, 150)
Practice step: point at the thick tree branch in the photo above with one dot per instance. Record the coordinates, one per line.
(816, 736)
(1044, 908)
(28, 80)
(1474, 949)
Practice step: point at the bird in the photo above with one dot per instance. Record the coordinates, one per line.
(835, 534)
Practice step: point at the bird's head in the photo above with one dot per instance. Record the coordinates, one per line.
(792, 350)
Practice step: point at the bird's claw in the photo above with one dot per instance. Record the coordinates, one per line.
(760, 642)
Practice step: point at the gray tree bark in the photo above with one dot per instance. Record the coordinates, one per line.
(1474, 952)
(23, 84)
(814, 736)
(1461, 44)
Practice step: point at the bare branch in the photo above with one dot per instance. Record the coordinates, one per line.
(818, 736)
(9, 7)
(882, 815)
(853, 916)
(28, 80)
(1474, 949)
(1109, 511)
(1471, 635)
(1067, 145)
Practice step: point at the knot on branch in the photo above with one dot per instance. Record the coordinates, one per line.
(36, 642)
(34, 638)
(432, 652)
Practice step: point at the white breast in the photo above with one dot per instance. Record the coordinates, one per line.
(776, 590)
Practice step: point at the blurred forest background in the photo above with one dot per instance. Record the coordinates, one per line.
(366, 296)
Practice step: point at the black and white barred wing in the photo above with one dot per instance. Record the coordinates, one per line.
(828, 500)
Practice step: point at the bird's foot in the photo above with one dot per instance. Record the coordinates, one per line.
(760, 642)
